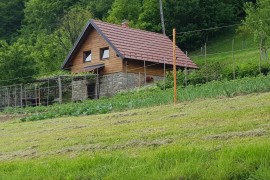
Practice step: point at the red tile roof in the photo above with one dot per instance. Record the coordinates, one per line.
(137, 44)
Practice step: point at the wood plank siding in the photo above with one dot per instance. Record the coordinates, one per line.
(137, 66)
(94, 42)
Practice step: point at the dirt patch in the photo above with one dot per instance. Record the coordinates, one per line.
(6, 117)
(253, 133)
(122, 122)
(132, 143)
(19, 154)
(81, 148)
(123, 115)
(142, 143)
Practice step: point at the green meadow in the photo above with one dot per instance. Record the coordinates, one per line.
(224, 138)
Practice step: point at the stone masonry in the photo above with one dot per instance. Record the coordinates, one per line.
(113, 83)
(79, 90)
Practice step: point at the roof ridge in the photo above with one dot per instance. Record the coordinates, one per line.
(132, 28)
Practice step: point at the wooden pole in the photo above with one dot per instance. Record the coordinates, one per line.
(60, 89)
(164, 74)
(144, 67)
(39, 96)
(205, 62)
(126, 75)
(8, 97)
(15, 96)
(260, 61)
(21, 95)
(186, 70)
(233, 59)
(96, 87)
(174, 66)
(139, 79)
(98, 90)
(25, 96)
(48, 92)
(36, 94)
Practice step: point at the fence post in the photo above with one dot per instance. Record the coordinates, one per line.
(36, 94)
(186, 79)
(60, 89)
(233, 59)
(15, 96)
(174, 66)
(127, 76)
(21, 95)
(260, 61)
(164, 74)
(25, 95)
(39, 96)
(139, 79)
(205, 62)
(144, 67)
(8, 97)
(48, 92)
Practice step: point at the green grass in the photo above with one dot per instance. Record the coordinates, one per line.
(219, 52)
(148, 97)
(224, 138)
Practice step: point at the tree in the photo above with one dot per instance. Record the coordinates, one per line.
(11, 13)
(125, 10)
(187, 16)
(258, 22)
(71, 25)
(16, 65)
(98, 8)
(45, 14)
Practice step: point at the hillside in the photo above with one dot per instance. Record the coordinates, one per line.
(201, 139)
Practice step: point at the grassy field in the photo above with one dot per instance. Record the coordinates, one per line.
(225, 138)
(222, 56)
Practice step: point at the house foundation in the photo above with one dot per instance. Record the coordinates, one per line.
(112, 83)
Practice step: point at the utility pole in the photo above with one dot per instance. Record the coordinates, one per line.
(162, 17)
(174, 66)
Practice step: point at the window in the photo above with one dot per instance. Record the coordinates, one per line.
(104, 53)
(87, 56)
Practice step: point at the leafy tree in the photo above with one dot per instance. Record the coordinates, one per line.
(16, 65)
(125, 9)
(71, 26)
(258, 22)
(149, 18)
(11, 13)
(187, 16)
(98, 8)
(45, 14)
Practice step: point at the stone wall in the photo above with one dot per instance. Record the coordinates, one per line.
(79, 90)
(113, 83)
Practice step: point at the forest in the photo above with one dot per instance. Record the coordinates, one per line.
(36, 35)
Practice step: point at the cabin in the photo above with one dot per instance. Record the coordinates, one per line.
(122, 57)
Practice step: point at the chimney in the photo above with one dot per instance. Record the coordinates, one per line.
(125, 23)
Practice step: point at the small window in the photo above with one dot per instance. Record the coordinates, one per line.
(104, 53)
(87, 56)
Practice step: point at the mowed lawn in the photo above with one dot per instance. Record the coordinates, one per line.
(226, 138)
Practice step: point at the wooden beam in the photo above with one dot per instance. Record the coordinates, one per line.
(60, 90)
(174, 66)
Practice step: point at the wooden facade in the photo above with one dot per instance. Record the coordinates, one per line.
(94, 43)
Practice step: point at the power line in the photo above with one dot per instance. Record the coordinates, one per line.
(219, 27)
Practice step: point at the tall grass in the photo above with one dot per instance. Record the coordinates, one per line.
(147, 97)
(238, 162)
